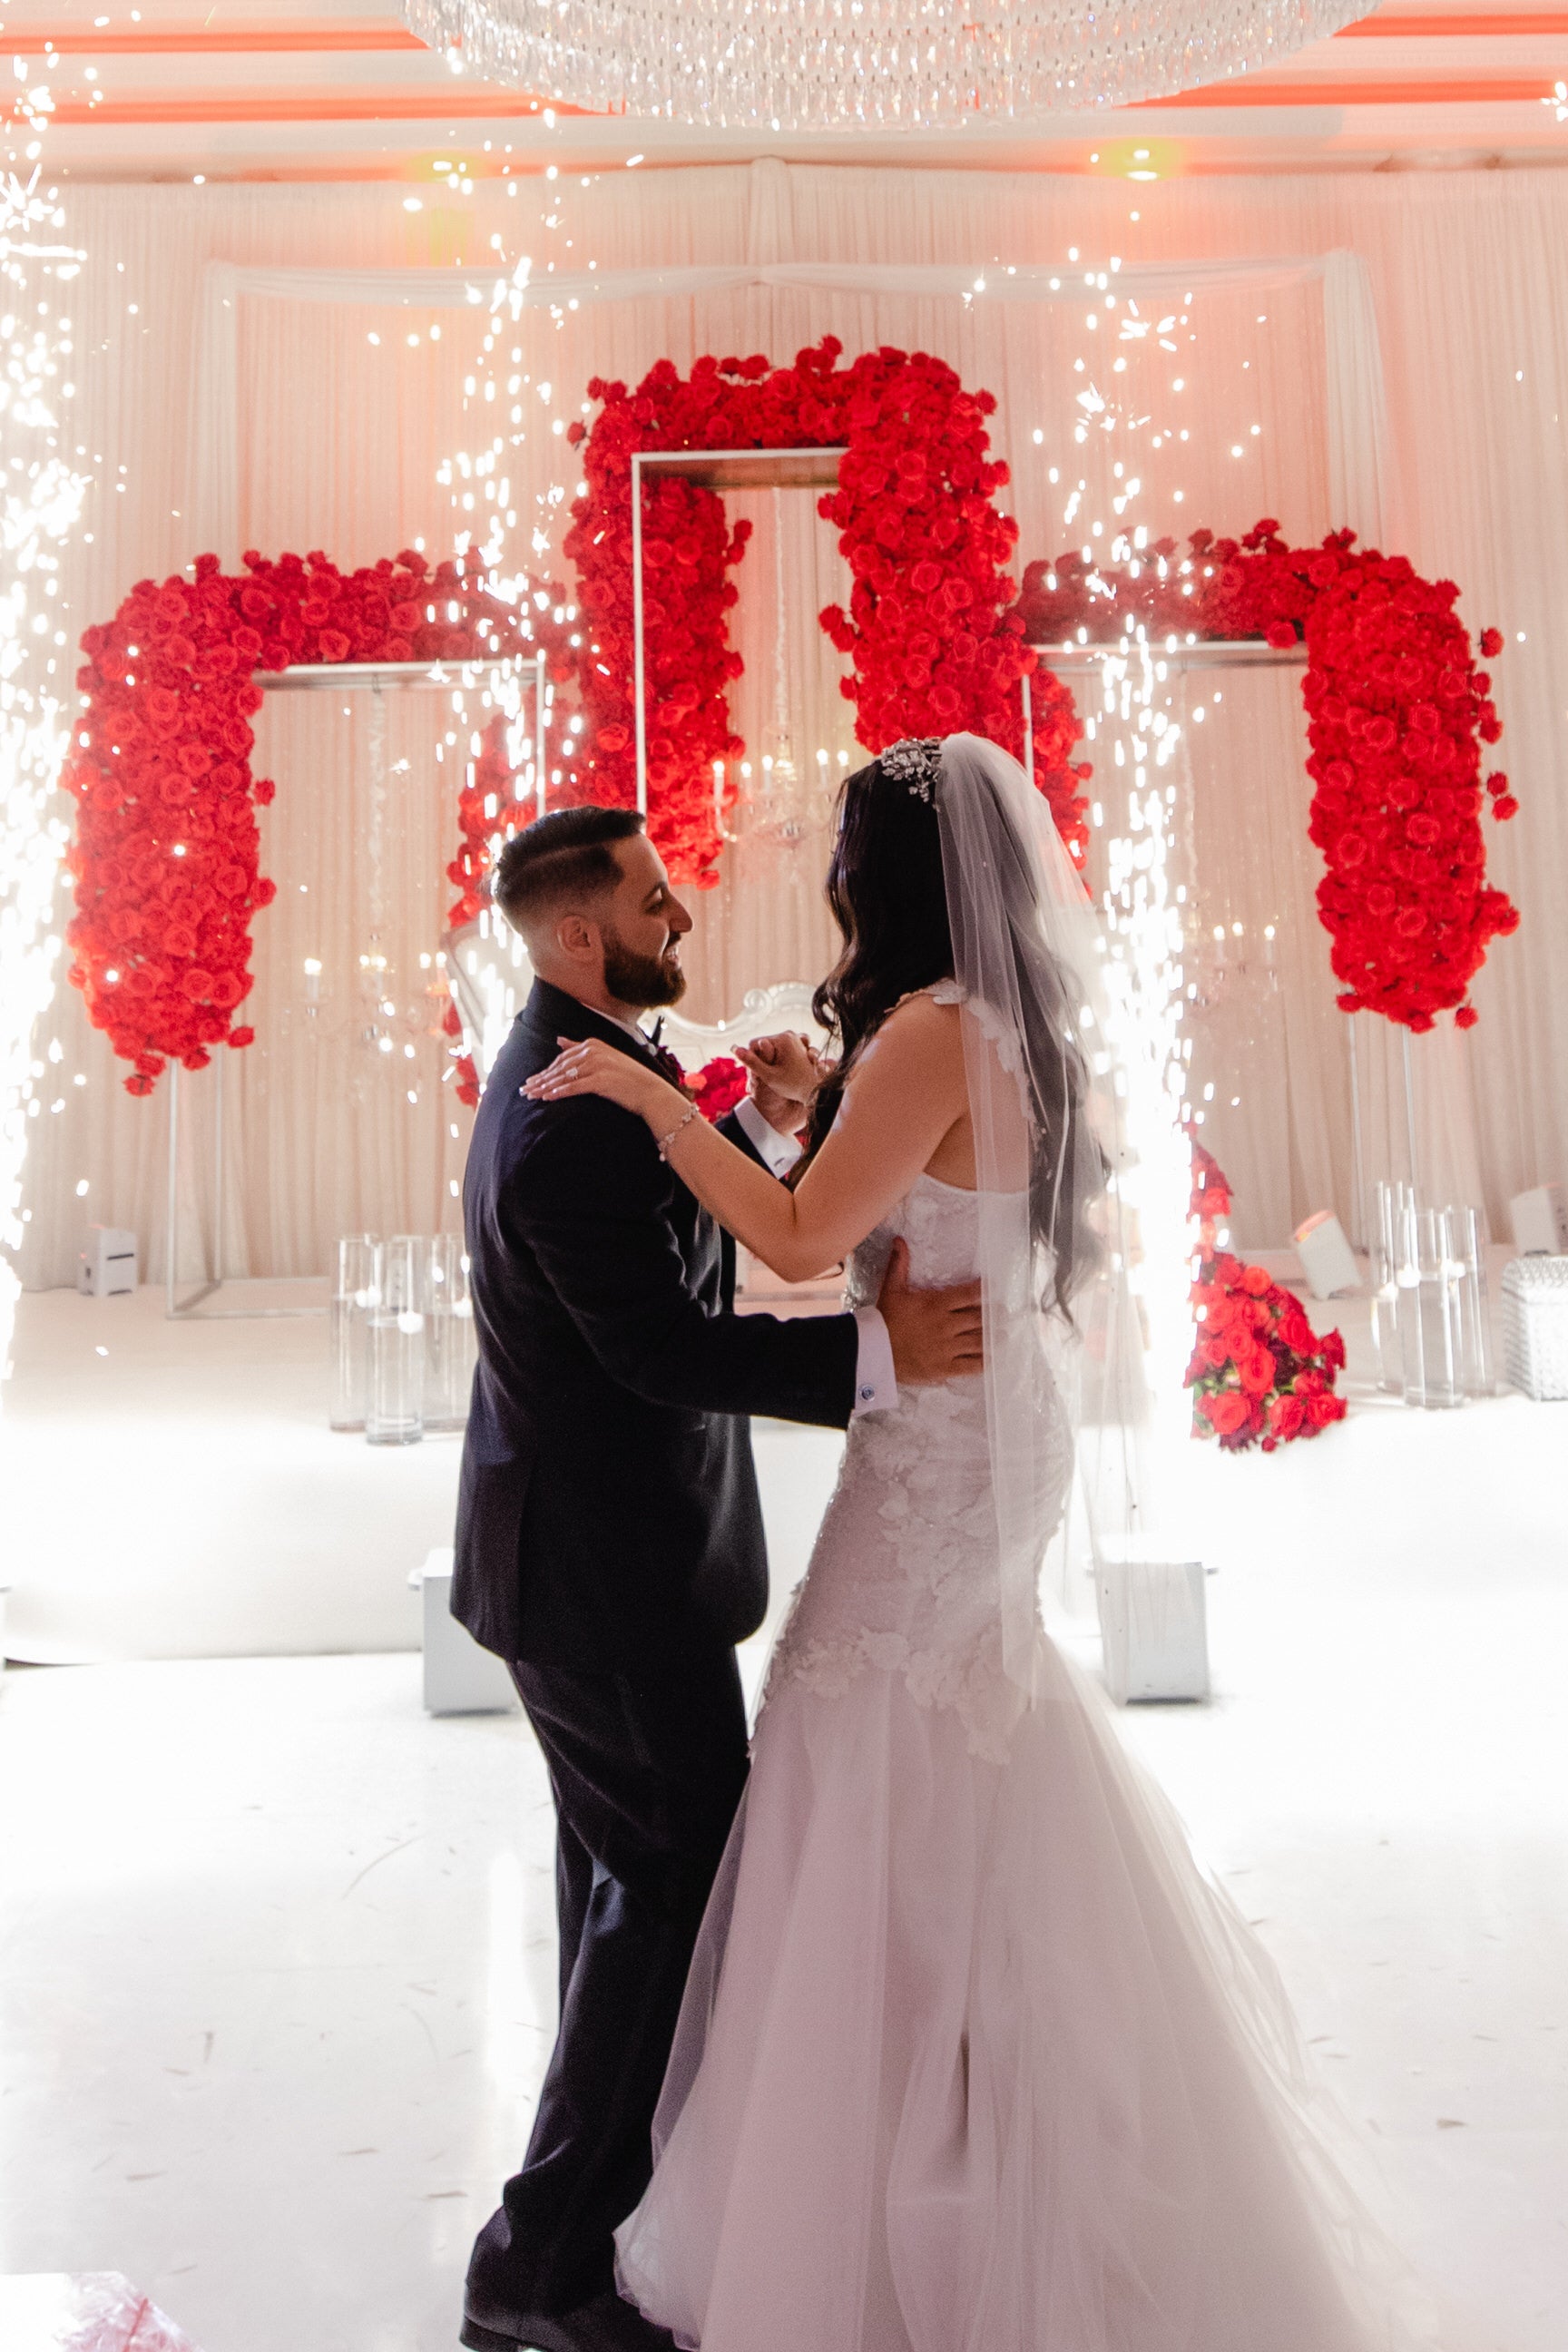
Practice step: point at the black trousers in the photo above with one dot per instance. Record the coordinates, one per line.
(647, 1766)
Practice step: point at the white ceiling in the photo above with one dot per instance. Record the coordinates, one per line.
(319, 89)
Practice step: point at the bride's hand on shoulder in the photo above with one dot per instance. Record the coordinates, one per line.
(589, 1066)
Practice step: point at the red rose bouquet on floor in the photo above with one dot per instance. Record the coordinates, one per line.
(1259, 1373)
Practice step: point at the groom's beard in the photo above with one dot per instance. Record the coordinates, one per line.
(642, 981)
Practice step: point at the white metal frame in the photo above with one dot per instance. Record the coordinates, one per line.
(1192, 651)
(324, 677)
(715, 470)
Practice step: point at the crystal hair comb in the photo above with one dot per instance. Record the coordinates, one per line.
(915, 763)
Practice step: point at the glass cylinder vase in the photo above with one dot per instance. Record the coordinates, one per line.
(1478, 1372)
(449, 1334)
(1383, 1270)
(1437, 1293)
(397, 1410)
(1407, 1281)
(354, 1292)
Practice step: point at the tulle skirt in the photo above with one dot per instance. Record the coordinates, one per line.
(972, 2059)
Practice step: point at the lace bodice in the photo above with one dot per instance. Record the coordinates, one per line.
(904, 1575)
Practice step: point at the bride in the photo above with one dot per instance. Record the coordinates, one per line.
(971, 2058)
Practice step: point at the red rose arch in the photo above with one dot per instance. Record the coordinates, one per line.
(1399, 717)
(166, 853)
(934, 634)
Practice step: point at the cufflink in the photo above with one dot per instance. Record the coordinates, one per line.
(867, 1394)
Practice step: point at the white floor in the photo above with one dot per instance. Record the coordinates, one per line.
(173, 1490)
(276, 1948)
(212, 1513)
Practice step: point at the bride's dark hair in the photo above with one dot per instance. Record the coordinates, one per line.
(888, 897)
(887, 890)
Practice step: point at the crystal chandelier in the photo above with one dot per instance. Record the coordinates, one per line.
(826, 64)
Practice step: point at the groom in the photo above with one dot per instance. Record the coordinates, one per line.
(609, 1541)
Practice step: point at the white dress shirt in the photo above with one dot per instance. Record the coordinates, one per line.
(875, 1383)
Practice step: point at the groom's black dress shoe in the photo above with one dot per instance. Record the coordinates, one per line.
(621, 2328)
(518, 2334)
(605, 2324)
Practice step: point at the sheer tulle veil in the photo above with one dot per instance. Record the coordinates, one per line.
(1044, 1097)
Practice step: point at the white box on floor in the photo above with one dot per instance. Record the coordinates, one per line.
(460, 1678)
(1535, 1326)
(1327, 1258)
(1540, 1220)
(106, 1265)
(1153, 1624)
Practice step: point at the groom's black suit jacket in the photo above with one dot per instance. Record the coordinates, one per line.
(608, 1501)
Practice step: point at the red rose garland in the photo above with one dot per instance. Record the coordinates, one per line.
(166, 853)
(935, 640)
(1398, 712)
(1259, 1373)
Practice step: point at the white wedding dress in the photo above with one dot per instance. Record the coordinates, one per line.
(973, 2058)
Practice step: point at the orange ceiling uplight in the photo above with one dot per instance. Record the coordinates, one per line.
(1140, 159)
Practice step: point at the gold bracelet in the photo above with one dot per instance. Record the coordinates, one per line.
(664, 1143)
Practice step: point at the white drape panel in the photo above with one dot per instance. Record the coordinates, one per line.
(1355, 370)
(1356, 418)
(1357, 403)
(334, 442)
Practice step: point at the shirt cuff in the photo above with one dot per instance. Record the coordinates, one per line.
(778, 1153)
(875, 1383)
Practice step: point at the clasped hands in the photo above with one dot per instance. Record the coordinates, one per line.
(936, 1335)
(785, 1071)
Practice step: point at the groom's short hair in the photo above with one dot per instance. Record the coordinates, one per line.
(568, 855)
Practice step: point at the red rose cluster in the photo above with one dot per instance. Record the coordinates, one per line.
(933, 625)
(1397, 712)
(1251, 587)
(489, 811)
(486, 809)
(165, 856)
(1211, 1196)
(1259, 1373)
(687, 549)
(718, 1086)
(1397, 715)
(934, 637)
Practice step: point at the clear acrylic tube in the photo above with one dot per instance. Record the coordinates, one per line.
(449, 1334)
(1471, 1236)
(396, 1411)
(1439, 1270)
(352, 1297)
(1407, 1279)
(1384, 1254)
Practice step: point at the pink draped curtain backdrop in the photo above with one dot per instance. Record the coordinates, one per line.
(339, 441)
